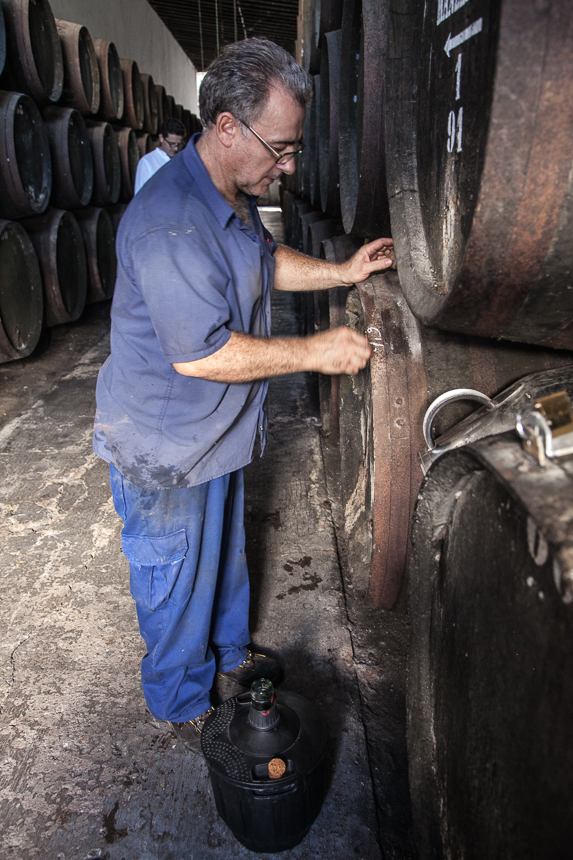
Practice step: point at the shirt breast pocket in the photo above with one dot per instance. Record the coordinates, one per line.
(156, 566)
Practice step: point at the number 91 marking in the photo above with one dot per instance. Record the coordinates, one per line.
(455, 127)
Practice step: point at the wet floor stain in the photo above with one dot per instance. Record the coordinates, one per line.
(311, 583)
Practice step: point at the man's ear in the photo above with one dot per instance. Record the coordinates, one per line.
(227, 128)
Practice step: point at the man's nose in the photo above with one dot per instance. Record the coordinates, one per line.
(288, 168)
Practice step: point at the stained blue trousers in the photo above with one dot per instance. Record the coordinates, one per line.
(189, 580)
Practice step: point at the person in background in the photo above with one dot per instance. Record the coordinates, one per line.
(171, 141)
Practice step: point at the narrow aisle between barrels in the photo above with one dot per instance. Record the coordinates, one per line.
(86, 771)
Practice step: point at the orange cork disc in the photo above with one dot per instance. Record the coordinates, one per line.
(276, 768)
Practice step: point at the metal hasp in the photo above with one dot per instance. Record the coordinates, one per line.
(547, 427)
(451, 397)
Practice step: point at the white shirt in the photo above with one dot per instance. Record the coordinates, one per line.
(148, 165)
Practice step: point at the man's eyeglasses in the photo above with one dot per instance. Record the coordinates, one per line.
(280, 158)
(177, 146)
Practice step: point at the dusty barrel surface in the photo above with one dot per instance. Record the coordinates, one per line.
(327, 131)
(81, 71)
(25, 162)
(72, 161)
(490, 693)
(21, 301)
(479, 152)
(129, 158)
(112, 97)
(381, 420)
(34, 56)
(134, 105)
(312, 189)
(99, 242)
(59, 246)
(363, 194)
(106, 162)
(150, 105)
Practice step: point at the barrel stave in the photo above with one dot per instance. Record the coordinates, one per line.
(21, 301)
(81, 71)
(72, 160)
(106, 162)
(25, 162)
(59, 246)
(112, 96)
(99, 242)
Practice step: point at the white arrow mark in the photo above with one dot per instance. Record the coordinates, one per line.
(462, 37)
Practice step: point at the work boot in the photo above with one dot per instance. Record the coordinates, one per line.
(189, 733)
(254, 666)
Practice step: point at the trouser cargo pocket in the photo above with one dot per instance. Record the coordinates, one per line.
(157, 569)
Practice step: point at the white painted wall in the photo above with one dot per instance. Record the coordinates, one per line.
(139, 34)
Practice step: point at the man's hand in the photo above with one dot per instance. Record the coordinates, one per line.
(339, 350)
(374, 257)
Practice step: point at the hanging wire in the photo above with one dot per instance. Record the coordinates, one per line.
(235, 19)
(217, 24)
(201, 37)
(242, 19)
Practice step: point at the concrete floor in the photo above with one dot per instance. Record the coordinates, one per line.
(86, 772)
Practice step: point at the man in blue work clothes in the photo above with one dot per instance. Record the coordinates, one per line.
(181, 399)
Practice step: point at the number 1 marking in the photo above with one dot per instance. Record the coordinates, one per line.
(458, 76)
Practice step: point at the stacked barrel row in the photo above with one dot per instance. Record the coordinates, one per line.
(74, 120)
(448, 126)
(422, 135)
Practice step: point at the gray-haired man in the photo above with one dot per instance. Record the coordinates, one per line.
(181, 399)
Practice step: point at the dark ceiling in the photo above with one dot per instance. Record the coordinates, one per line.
(203, 27)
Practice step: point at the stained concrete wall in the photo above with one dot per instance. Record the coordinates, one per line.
(138, 34)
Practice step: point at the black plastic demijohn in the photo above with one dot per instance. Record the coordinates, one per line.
(265, 752)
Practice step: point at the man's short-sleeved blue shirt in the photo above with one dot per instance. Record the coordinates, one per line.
(190, 272)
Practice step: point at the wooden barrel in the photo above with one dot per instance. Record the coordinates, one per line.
(72, 161)
(25, 163)
(112, 97)
(169, 109)
(21, 303)
(58, 242)
(2, 41)
(327, 17)
(116, 213)
(363, 195)
(327, 131)
(479, 151)
(313, 189)
(331, 243)
(81, 71)
(306, 221)
(134, 107)
(490, 691)
(179, 112)
(150, 105)
(161, 105)
(381, 420)
(99, 242)
(311, 51)
(188, 123)
(107, 167)
(128, 158)
(144, 143)
(34, 56)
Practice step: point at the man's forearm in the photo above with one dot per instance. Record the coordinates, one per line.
(245, 358)
(296, 272)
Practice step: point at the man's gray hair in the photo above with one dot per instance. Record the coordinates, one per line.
(238, 81)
